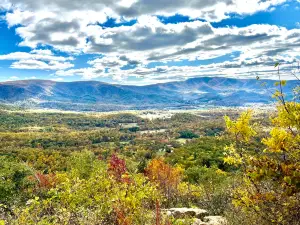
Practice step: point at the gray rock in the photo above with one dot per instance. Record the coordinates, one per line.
(199, 222)
(215, 220)
(200, 216)
(179, 213)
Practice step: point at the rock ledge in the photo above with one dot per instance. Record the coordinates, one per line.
(201, 216)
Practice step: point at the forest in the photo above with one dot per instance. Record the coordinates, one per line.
(127, 169)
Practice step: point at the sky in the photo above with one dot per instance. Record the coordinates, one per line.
(139, 42)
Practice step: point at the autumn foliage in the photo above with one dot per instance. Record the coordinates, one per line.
(77, 169)
(44, 181)
(117, 169)
(271, 176)
(166, 176)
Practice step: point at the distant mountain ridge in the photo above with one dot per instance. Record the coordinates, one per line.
(99, 96)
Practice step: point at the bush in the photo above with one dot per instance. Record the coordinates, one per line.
(188, 134)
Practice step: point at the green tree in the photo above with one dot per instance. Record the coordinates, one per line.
(13, 180)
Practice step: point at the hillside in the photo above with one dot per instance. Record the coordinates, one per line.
(99, 96)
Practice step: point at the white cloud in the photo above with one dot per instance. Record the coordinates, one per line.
(149, 40)
(67, 26)
(44, 55)
(31, 64)
(74, 28)
(12, 78)
(213, 10)
(38, 59)
(263, 67)
(259, 46)
(43, 52)
(85, 73)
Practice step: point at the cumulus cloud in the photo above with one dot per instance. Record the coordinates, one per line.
(45, 55)
(263, 67)
(213, 10)
(67, 26)
(38, 59)
(154, 41)
(85, 73)
(14, 78)
(76, 29)
(31, 64)
(259, 46)
(147, 34)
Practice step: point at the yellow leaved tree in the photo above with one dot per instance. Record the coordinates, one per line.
(271, 176)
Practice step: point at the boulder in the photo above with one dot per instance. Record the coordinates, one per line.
(198, 222)
(215, 220)
(179, 213)
(200, 216)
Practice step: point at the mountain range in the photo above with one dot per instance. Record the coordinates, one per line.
(99, 96)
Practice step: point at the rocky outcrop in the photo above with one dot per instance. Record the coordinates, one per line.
(180, 213)
(200, 216)
(211, 220)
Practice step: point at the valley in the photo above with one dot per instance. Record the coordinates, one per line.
(41, 146)
(196, 93)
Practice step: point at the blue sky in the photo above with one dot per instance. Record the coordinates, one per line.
(141, 42)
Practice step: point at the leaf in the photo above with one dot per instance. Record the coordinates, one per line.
(288, 180)
(283, 82)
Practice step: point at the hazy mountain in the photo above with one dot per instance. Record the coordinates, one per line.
(94, 95)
